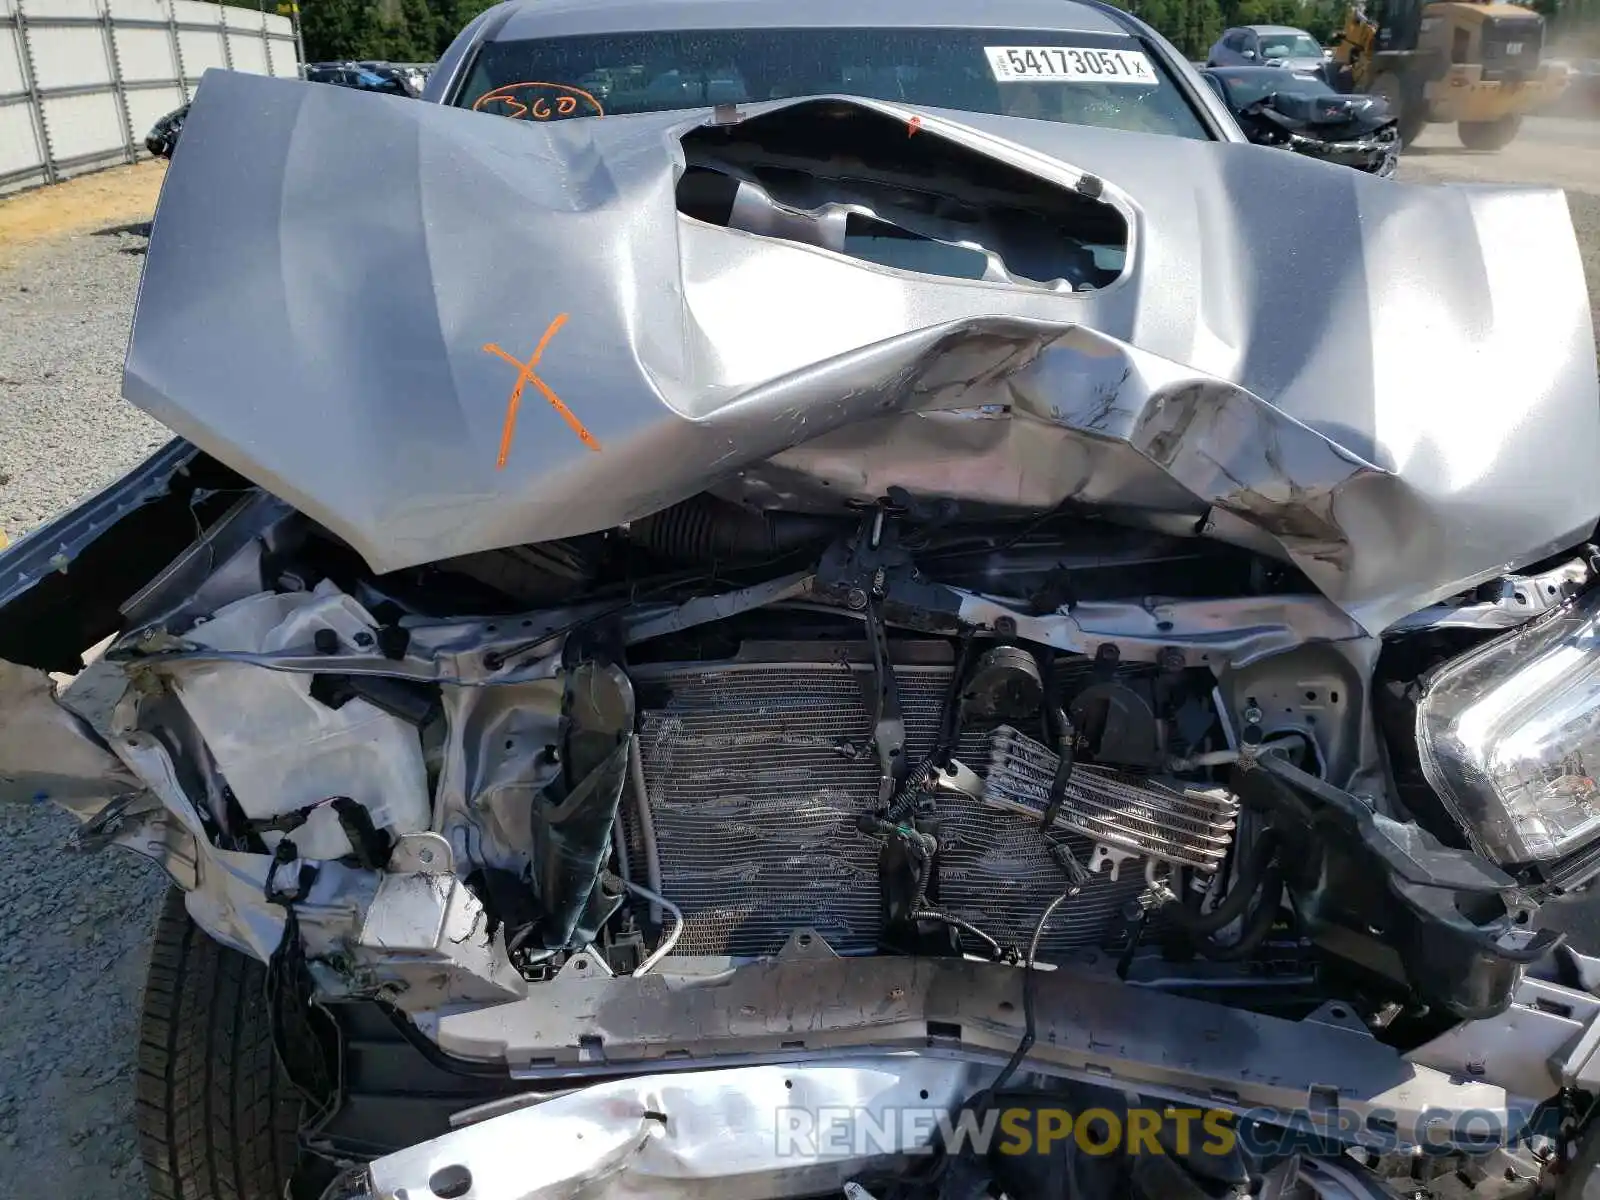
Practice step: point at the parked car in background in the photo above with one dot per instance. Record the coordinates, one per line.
(163, 136)
(1278, 46)
(410, 76)
(359, 76)
(1304, 114)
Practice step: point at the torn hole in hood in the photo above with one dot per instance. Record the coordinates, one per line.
(863, 184)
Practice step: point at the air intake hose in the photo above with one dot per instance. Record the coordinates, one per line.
(703, 528)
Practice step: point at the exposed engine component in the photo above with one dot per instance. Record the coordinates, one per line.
(1117, 724)
(1004, 686)
(1192, 827)
(759, 774)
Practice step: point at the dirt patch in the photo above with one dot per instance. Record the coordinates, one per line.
(1553, 151)
(119, 196)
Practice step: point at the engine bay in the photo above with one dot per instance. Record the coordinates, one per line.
(724, 788)
(755, 727)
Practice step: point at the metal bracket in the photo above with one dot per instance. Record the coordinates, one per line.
(1109, 857)
(109, 823)
(806, 944)
(1579, 1065)
(1338, 1015)
(1506, 602)
(960, 778)
(422, 854)
(586, 964)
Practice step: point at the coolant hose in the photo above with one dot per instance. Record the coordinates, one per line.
(1255, 929)
(1264, 791)
(1237, 900)
(955, 922)
(1063, 773)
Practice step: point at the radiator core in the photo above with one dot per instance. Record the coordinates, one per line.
(756, 774)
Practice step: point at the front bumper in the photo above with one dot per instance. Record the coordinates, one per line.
(1375, 155)
(789, 1078)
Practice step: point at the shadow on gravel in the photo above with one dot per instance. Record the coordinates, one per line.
(136, 229)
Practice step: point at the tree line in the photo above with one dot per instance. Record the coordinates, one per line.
(391, 30)
(419, 30)
(1194, 25)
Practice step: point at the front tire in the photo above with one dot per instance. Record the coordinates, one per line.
(217, 1117)
(1407, 109)
(1489, 135)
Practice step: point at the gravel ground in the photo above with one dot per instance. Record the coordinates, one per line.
(65, 310)
(73, 930)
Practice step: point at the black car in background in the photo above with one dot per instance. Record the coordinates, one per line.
(367, 77)
(1304, 114)
(163, 136)
(410, 76)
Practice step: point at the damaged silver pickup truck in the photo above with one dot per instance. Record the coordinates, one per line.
(848, 631)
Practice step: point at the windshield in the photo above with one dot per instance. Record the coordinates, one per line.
(1079, 78)
(1289, 45)
(1245, 90)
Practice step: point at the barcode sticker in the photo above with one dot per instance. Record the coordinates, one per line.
(1068, 64)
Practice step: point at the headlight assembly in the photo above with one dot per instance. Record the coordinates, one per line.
(1509, 736)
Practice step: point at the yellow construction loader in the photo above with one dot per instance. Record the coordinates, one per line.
(1477, 63)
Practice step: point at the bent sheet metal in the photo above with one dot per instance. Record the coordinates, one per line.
(314, 311)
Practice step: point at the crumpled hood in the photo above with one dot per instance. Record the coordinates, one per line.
(1392, 386)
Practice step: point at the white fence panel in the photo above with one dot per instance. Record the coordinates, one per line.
(146, 106)
(200, 41)
(201, 49)
(47, 10)
(11, 77)
(145, 54)
(21, 142)
(21, 154)
(247, 49)
(82, 127)
(68, 57)
(82, 81)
